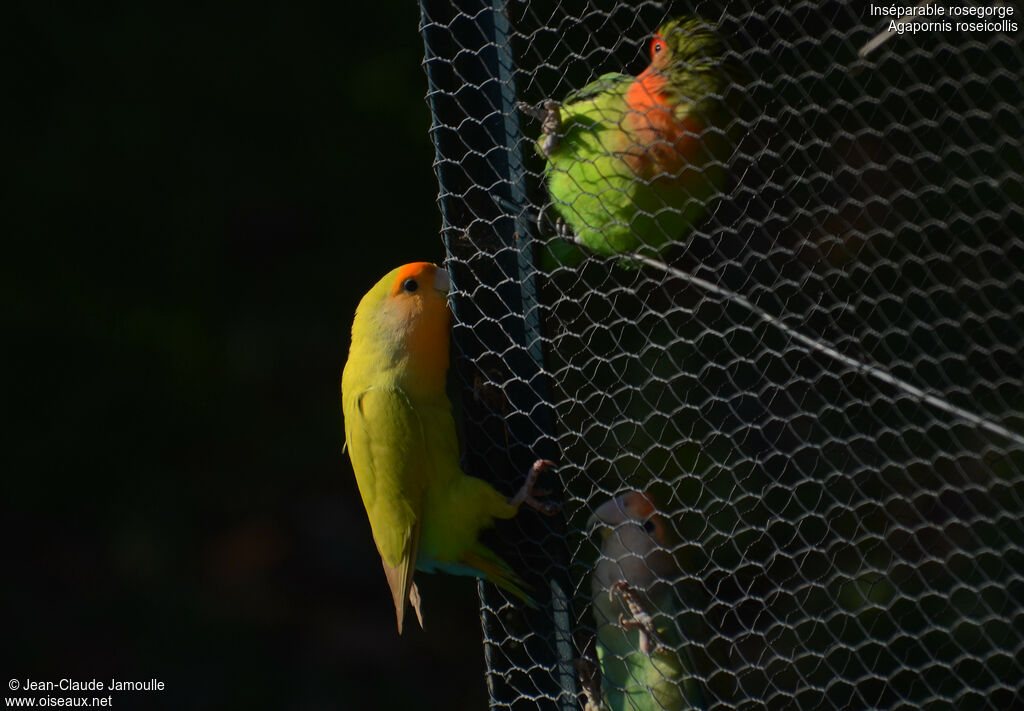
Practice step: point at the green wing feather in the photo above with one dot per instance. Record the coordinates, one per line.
(610, 83)
(633, 680)
(385, 440)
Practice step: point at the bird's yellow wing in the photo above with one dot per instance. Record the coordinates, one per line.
(385, 440)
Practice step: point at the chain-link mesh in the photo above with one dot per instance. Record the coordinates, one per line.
(842, 540)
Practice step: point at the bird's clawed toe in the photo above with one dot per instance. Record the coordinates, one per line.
(641, 620)
(526, 494)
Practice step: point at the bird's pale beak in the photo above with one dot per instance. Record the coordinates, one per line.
(611, 513)
(442, 282)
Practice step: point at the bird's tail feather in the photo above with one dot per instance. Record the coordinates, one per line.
(494, 570)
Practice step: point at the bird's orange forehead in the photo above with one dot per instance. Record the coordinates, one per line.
(414, 270)
(640, 505)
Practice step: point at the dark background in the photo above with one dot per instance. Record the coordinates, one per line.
(196, 200)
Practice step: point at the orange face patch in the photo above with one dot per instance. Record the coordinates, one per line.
(659, 52)
(420, 272)
(419, 312)
(639, 505)
(663, 143)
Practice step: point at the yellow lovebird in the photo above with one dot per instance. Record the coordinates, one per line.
(425, 512)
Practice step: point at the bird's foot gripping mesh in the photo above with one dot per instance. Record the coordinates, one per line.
(787, 304)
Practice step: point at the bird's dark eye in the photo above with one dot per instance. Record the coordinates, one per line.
(410, 285)
(649, 526)
(657, 47)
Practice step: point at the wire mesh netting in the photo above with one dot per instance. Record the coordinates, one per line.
(816, 374)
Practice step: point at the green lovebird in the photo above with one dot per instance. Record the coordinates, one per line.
(641, 652)
(637, 161)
